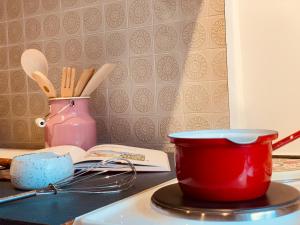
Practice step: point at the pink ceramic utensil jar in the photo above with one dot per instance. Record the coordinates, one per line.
(70, 123)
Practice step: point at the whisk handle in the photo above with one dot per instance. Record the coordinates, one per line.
(18, 196)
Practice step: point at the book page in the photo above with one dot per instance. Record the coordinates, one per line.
(143, 159)
(6, 153)
(138, 156)
(77, 154)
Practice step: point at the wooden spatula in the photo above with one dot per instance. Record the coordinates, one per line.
(44, 83)
(67, 82)
(97, 78)
(83, 80)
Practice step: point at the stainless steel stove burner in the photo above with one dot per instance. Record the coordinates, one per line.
(279, 200)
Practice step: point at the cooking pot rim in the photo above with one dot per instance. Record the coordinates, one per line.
(238, 136)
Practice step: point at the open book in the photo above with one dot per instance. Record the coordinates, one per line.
(142, 158)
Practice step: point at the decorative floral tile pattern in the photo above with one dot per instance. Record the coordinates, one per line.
(167, 100)
(71, 22)
(38, 104)
(170, 75)
(165, 38)
(53, 51)
(167, 67)
(217, 32)
(73, 49)
(98, 103)
(31, 7)
(20, 128)
(194, 36)
(2, 11)
(219, 64)
(216, 7)
(19, 105)
(144, 129)
(193, 8)
(197, 122)
(5, 130)
(94, 47)
(3, 58)
(140, 41)
(143, 100)
(67, 4)
(102, 130)
(141, 70)
(18, 81)
(14, 55)
(50, 5)
(169, 125)
(196, 67)
(4, 106)
(139, 12)
(15, 32)
(36, 44)
(33, 28)
(119, 100)
(120, 74)
(4, 82)
(54, 74)
(165, 10)
(51, 25)
(92, 19)
(14, 9)
(37, 133)
(3, 34)
(115, 15)
(116, 44)
(196, 98)
(120, 129)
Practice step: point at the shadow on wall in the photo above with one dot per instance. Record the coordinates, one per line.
(201, 94)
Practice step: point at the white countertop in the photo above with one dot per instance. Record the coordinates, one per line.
(137, 210)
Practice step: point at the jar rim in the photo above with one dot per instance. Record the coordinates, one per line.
(69, 98)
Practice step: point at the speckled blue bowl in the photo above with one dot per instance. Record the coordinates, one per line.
(38, 170)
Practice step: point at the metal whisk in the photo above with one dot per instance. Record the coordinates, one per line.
(89, 181)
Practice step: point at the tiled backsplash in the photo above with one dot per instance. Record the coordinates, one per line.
(171, 65)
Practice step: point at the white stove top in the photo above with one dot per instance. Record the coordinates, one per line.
(137, 210)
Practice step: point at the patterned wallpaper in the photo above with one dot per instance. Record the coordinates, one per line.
(171, 65)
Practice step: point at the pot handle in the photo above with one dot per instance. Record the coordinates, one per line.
(286, 140)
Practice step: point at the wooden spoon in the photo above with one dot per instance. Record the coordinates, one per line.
(44, 83)
(33, 60)
(97, 78)
(83, 80)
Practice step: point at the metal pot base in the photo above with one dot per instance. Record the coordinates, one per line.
(279, 200)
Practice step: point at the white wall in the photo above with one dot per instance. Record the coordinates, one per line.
(263, 44)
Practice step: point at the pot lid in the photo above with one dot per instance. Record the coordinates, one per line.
(238, 136)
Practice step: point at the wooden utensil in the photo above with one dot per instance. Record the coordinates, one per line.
(44, 83)
(33, 60)
(97, 78)
(67, 82)
(83, 80)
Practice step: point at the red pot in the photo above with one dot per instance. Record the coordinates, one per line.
(225, 165)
